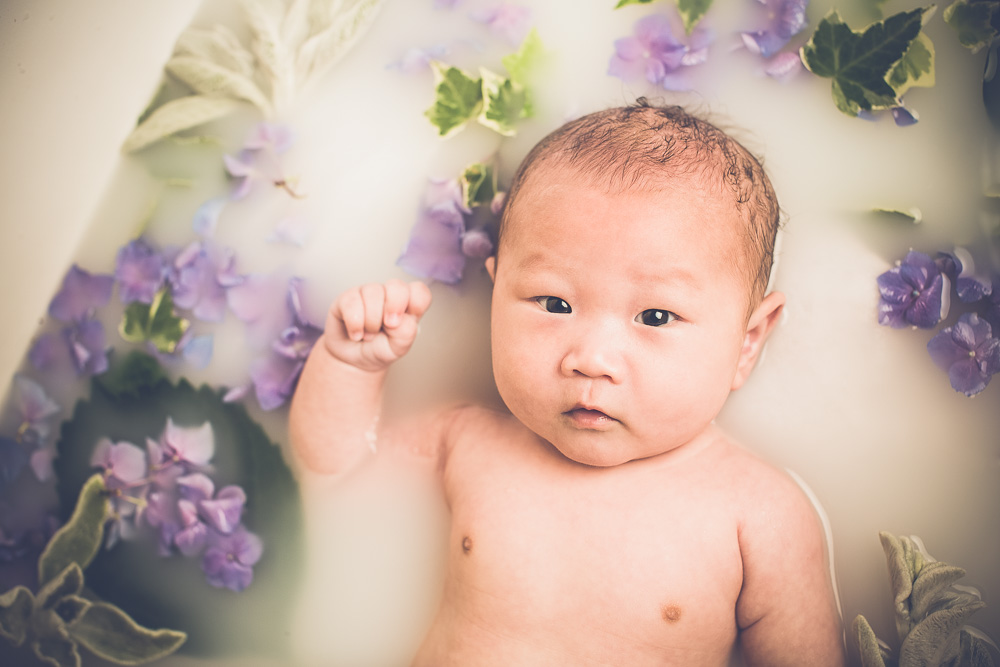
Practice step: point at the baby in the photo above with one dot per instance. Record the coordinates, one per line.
(606, 520)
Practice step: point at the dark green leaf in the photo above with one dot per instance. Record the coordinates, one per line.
(858, 63)
(110, 633)
(15, 610)
(913, 215)
(458, 98)
(136, 374)
(973, 21)
(478, 184)
(79, 539)
(503, 103)
(691, 12)
(67, 582)
(154, 322)
(623, 3)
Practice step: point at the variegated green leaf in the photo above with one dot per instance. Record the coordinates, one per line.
(916, 68)
(154, 322)
(176, 115)
(213, 80)
(478, 184)
(530, 55)
(79, 539)
(110, 633)
(624, 3)
(973, 21)
(503, 103)
(457, 100)
(692, 11)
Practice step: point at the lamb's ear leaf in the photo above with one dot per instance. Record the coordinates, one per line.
(176, 115)
(111, 634)
(901, 577)
(871, 652)
(208, 78)
(67, 582)
(15, 610)
(58, 651)
(932, 581)
(935, 639)
(79, 539)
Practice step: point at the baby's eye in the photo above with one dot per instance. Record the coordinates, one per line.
(655, 318)
(554, 304)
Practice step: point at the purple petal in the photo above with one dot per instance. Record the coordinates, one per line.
(197, 351)
(476, 243)
(945, 351)
(223, 513)
(763, 42)
(970, 331)
(274, 379)
(33, 403)
(904, 117)
(510, 22)
(892, 315)
(196, 284)
(207, 217)
(297, 342)
(918, 269)
(448, 192)
(161, 508)
(237, 393)
(191, 539)
(87, 347)
(966, 377)
(41, 463)
(790, 18)
(274, 136)
(434, 249)
(123, 460)
(194, 445)
(931, 306)
(784, 66)
(80, 294)
(893, 289)
(195, 487)
(48, 351)
(140, 271)
(655, 33)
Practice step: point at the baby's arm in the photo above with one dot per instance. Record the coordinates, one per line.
(787, 612)
(339, 395)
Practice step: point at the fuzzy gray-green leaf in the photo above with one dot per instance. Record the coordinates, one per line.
(79, 539)
(110, 633)
(929, 585)
(320, 51)
(870, 651)
(935, 639)
(67, 582)
(56, 651)
(207, 78)
(858, 63)
(218, 45)
(15, 610)
(180, 114)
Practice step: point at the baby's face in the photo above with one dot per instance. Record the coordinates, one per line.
(617, 319)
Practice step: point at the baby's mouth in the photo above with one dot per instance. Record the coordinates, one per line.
(589, 418)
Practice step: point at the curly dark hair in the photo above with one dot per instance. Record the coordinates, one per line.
(640, 145)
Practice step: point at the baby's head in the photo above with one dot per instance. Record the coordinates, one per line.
(633, 258)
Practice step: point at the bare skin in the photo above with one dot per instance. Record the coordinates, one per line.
(606, 520)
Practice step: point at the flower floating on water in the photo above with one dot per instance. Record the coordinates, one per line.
(259, 162)
(200, 276)
(968, 351)
(785, 19)
(914, 293)
(960, 267)
(655, 52)
(168, 488)
(139, 270)
(511, 22)
(83, 341)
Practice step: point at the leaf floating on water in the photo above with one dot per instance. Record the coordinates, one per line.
(912, 215)
(154, 322)
(691, 12)
(322, 50)
(916, 68)
(80, 538)
(176, 115)
(110, 633)
(973, 21)
(267, 47)
(458, 98)
(859, 63)
(503, 103)
(868, 646)
(207, 78)
(219, 46)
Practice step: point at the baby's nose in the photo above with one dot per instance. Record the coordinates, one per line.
(597, 351)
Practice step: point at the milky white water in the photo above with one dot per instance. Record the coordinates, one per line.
(857, 410)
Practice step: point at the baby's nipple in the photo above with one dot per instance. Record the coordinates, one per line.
(671, 613)
(467, 544)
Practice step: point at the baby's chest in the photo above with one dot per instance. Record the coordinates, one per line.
(604, 555)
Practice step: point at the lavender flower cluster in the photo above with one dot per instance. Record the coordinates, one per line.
(167, 488)
(918, 293)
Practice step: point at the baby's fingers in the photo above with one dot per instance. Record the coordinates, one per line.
(420, 299)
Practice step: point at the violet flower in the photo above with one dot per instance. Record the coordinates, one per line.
(434, 249)
(914, 293)
(87, 347)
(190, 447)
(258, 161)
(785, 19)
(35, 407)
(206, 218)
(162, 514)
(657, 50)
(229, 559)
(83, 341)
(260, 302)
(199, 277)
(80, 295)
(140, 271)
(510, 22)
(959, 266)
(968, 351)
(904, 117)
(122, 462)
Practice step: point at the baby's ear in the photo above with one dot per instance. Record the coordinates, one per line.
(763, 320)
(491, 267)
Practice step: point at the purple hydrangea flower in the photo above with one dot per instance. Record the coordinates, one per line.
(476, 243)
(87, 347)
(35, 407)
(416, 60)
(784, 66)
(274, 378)
(511, 22)
(122, 462)
(192, 447)
(914, 293)
(260, 302)
(80, 295)
(161, 513)
(434, 249)
(199, 277)
(140, 271)
(657, 50)
(229, 559)
(904, 117)
(968, 351)
(785, 19)
(258, 161)
(959, 266)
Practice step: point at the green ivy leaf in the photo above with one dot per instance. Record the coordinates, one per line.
(916, 68)
(79, 539)
(974, 21)
(478, 184)
(859, 63)
(458, 98)
(15, 610)
(110, 633)
(503, 103)
(527, 59)
(623, 3)
(691, 12)
(154, 322)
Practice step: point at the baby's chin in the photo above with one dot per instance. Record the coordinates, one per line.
(594, 456)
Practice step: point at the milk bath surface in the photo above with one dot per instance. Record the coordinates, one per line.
(857, 410)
